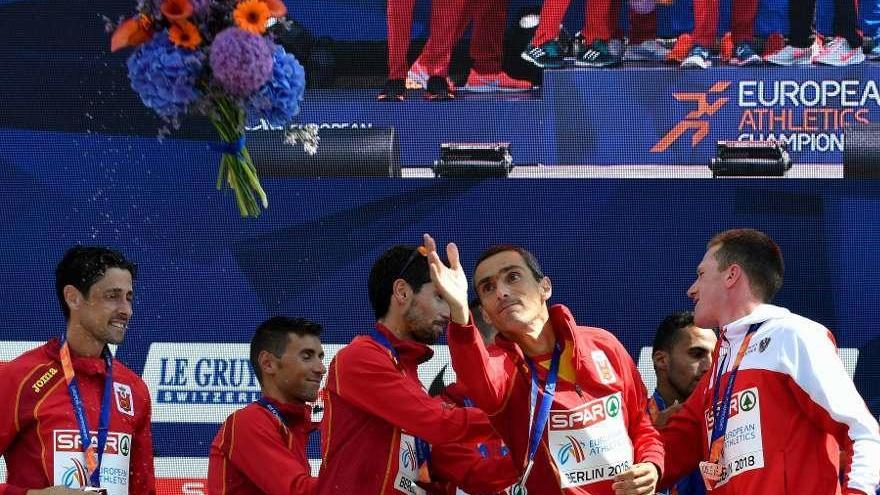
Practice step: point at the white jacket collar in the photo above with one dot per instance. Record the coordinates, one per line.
(761, 313)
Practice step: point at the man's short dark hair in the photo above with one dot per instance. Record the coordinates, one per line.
(528, 257)
(670, 328)
(758, 256)
(404, 262)
(273, 336)
(82, 266)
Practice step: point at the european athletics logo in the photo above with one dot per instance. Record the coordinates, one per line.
(571, 449)
(694, 120)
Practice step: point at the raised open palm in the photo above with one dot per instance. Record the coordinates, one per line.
(450, 281)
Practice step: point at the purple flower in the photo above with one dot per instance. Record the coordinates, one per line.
(164, 76)
(278, 100)
(241, 62)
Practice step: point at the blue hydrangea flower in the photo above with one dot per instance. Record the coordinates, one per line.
(277, 101)
(164, 76)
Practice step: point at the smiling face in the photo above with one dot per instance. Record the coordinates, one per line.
(297, 373)
(709, 291)
(105, 310)
(513, 300)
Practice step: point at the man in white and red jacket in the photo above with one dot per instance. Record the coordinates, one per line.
(789, 419)
(567, 399)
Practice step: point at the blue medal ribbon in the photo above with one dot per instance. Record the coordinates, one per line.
(272, 409)
(423, 449)
(721, 409)
(93, 457)
(537, 424)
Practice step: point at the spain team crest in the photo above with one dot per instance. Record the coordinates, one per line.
(124, 403)
(603, 367)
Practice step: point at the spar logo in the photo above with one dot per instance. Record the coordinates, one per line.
(71, 441)
(743, 401)
(587, 415)
(696, 120)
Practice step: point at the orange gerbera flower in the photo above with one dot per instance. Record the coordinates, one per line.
(252, 16)
(176, 10)
(276, 8)
(132, 32)
(185, 35)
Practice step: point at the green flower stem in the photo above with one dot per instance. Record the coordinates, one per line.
(237, 170)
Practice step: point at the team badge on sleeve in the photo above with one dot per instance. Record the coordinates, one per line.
(124, 404)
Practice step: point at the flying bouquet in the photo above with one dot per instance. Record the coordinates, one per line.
(215, 58)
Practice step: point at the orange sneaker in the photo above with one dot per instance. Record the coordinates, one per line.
(773, 44)
(496, 82)
(681, 48)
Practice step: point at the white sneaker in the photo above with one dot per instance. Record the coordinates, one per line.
(839, 54)
(791, 55)
(698, 58)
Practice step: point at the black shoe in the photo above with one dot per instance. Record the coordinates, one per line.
(597, 55)
(395, 90)
(438, 89)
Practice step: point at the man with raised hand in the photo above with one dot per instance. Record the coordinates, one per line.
(567, 399)
(382, 434)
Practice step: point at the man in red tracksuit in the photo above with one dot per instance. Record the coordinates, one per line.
(777, 412)
(54, 395)
(287, 358)
(742, 23)
(445, 17)
(488, 19)
(382, 434)
(547, 374)
(600, 23)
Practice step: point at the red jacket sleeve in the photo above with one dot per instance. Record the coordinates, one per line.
(368, 379)
(465, 467)
(488, 376)
(9, 390)
(683, 437)
(143, 478)
(647, 445)
(255, 447)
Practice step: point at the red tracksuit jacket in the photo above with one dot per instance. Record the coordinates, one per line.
(374, 406)
(254, 452)
(793, 412)
(598, 426)
(39, 434)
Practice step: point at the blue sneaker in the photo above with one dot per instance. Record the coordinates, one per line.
(547, 56)
(744, 56)
(698, 58)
